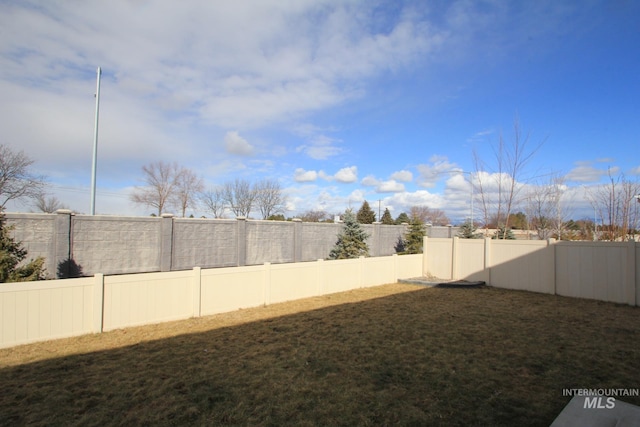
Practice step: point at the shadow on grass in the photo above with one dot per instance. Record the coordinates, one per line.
(430, 357)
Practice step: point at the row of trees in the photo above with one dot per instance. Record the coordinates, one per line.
(169, 185)
(501, 186)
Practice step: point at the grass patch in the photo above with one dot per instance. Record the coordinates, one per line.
(389, 355)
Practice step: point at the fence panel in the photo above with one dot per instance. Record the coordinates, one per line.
(341, 275)
(524, 265)
(408, 266)
(39, 311)
(378, 270)
(294, 281)
(438, 257)
(228, 289)
(140, 299)
(595, 270)
(470, 262)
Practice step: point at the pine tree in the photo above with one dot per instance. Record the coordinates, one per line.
(468, 231)
(403, 218)
(365, 214)
(413, 239)
(387, 219)
(351, 240)
(11, 254)
(503, 234)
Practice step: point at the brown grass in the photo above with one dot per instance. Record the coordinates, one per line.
(390, 355)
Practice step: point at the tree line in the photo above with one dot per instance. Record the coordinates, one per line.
(169, 185)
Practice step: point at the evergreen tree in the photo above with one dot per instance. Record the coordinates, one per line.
(413, 239)
(365, 214)
(387, 219)
(503, 234)
(11, 254)
(403, 218)
(468, 231)
(351, 240)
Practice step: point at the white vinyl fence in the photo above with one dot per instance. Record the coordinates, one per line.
(39, 311)
(606, 271)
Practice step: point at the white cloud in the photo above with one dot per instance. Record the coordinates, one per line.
(320, 147)
(301, 175)
(347, 175)
(584, 172)
(235, 144)
(370, 181)
(391, 186)
(438, 168)
(402, 176)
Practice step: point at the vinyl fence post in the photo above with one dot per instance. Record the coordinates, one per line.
(197, 291)
(425, 253)
(98, 302)
(454, 258)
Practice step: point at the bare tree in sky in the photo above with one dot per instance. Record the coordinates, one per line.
(269, 197)
(239, 196)
(214, 201)
(161, 180)
(547, 208)
(614, 203)
(498, 184)
(427, 215)
(187, 187)
(17, 182)
(47, 204)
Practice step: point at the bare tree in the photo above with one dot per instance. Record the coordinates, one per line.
(17, 182)
(314, 216)
(214, 201)
(47, 204)
(161, 179)
(427, 215)
(239, 196)
(187, 187)
(547, 207)
(498, 187)
(614, 204)
(269, 197)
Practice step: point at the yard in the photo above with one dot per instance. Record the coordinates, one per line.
(389, 355)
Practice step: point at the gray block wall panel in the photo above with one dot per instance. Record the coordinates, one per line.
(389, 235)
(36, 232)
(318, 239)
(205, 243)
(270, 241)
(116, 245)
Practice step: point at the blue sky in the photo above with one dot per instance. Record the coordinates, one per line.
(340, 101)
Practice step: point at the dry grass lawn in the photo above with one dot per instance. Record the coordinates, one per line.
(389, 355)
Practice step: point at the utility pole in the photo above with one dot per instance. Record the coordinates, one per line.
(95, 147)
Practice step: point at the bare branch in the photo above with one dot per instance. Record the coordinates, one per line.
(161, 179)
(17, 182)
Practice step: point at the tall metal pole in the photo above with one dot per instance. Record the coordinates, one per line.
(95, 147)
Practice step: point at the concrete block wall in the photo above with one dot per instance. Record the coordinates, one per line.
(204, 243)
(115, 245)
(119, 245)
(37, 232)
(270, 241)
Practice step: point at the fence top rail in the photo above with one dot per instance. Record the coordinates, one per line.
(46, 284)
